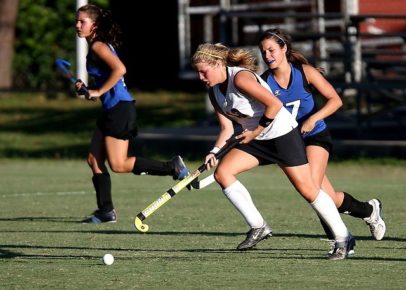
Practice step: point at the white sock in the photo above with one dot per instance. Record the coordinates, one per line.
(241, 199)
(327, 210)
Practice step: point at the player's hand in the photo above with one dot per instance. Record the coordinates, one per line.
(81, 90)
(307, 126)
(211, 161)
(246, 136)
(93, 95)
(78, 85)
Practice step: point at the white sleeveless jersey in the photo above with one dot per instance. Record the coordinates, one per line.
(247, 111)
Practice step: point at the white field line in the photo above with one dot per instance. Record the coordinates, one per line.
(43, 193)
(211, 187)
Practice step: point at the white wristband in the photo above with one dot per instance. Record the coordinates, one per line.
(215, 150)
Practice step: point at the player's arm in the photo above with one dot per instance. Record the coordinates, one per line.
(103, 52)
(317, 80)
(226, 131)
(247, 83)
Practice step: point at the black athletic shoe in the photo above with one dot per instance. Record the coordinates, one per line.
(98, 217)
(254, 236)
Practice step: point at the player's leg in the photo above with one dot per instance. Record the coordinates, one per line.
(301, 179)
(117, 155)
(101, 181)
(318, 148)
(318, 160)
(370, 211)
(120, 162)
(235, 162)
(120, 126)
(174, 167)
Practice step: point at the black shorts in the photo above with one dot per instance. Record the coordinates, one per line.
(119, 122)
(287, 150)
(322, 139)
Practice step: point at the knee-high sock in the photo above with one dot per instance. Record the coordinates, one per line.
(326, 229)
(96, 185)
(326, 210)
(102, 185)
(354, 207)
(241, 199)
(152, 167)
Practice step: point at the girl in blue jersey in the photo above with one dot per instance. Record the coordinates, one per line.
(270, 135)
(116, 127)
(292, 79)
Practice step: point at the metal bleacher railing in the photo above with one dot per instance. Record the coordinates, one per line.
(366, 65)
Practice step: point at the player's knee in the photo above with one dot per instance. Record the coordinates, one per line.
(308, 191)
(118, 167)
(219, 176)
(91, 161)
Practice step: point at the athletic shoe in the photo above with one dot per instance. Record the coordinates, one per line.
(97, 217)
(180, 168)
(351, 250)
(375, 222)
(254, 236)
(341, 249)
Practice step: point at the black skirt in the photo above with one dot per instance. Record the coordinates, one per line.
(120, 121)
(287, 150)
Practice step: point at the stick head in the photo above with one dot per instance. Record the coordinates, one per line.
(140, 226)
(63, 66)
(199, 184)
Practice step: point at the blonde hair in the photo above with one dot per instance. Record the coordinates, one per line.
(212, 53)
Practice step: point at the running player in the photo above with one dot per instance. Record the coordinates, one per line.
(270, 136)
(116, 127)
(293, 80)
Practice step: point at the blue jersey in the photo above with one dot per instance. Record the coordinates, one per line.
(100, 73)
(297, 97)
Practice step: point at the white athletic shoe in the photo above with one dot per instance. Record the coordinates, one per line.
(342, 249)
(375, 222)
(254, 236)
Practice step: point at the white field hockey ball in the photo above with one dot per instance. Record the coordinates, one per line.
(108, 259)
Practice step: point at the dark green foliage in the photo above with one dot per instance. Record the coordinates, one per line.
(45, 30)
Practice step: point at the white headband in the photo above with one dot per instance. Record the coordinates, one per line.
(271, 33)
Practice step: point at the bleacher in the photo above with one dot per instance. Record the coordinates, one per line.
(363, 53)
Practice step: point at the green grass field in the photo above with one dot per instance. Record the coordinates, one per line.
(192, 239)
(34, 126)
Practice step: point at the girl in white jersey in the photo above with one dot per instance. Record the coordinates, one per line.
(270, 136)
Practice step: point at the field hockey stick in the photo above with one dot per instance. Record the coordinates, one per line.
(199, 184)
(63, 65)
(164, 198)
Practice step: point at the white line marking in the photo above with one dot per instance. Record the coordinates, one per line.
(43, 193)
